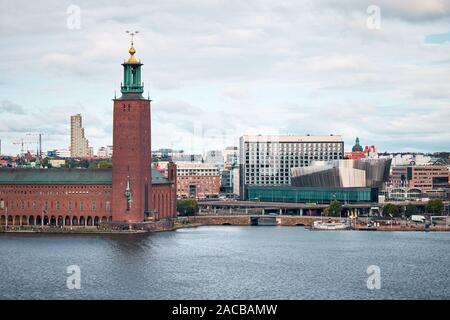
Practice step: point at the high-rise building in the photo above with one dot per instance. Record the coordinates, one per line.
(267, 160)
(79, 145)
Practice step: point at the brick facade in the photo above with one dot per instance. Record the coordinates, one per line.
(197, 180)
(72, 204)
(131, 159)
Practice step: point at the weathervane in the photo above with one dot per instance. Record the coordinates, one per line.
(132, 34)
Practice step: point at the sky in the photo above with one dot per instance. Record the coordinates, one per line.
(219, 69)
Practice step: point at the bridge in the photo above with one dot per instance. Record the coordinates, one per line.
(245, 208)
(247, 220)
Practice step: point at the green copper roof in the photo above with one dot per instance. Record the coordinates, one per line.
(357, 147)
(64, 176)
(157, 177)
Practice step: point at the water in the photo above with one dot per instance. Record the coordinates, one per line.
(227, 262)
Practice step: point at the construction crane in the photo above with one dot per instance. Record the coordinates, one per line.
(23, 143)
(39, 151)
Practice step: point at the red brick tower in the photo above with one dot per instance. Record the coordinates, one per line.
(131, 173)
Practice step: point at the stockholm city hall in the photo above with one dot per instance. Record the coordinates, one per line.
(130, 195)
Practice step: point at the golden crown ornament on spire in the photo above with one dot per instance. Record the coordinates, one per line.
(132, 51)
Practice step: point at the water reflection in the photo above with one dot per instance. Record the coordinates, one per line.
(226, 263)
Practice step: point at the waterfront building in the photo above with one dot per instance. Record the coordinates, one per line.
(268, 160)
(79, 145)
(348, 181)
(130, 193)
(316, 195)
(70, 197)
(198, 180)
(371, 173)
(425, 177)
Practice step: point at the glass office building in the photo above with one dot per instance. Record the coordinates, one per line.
(318, 195)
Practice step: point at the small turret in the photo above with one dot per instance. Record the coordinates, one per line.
(357, 147)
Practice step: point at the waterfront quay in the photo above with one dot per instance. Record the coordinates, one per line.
(104, 228)
(369, 215)
(360, 224)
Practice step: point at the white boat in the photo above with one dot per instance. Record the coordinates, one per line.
(330, 225)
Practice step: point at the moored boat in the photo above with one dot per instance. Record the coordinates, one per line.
(330, 225)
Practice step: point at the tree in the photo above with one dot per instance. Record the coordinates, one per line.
(334, 208)
(104, 165)
(46, 163)
(187, 207)
(435, 206)
(410, 210)
(391, 209)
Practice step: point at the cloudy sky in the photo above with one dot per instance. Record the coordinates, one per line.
(220, 69)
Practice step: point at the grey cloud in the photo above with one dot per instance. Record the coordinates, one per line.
(408, 10)
(7, 106)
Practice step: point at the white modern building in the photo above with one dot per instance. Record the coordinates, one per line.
(180, 156)
(230, 155)
(214, 156)
(268, 160)
(58, 153)
(105, 152)
(407, 159)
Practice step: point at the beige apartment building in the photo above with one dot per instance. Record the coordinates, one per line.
(79, 145)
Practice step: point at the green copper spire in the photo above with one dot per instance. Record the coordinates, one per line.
(357, 147)
(38, 163)
(132, 73)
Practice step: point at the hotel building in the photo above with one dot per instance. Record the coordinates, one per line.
(268, 160)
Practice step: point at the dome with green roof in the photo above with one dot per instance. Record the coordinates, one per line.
(357, 147)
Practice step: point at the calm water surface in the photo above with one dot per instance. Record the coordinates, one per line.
(227, 262)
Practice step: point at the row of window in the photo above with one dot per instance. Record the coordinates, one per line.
(284, 145)
(57, 205)
(50, 193)
(198, 173)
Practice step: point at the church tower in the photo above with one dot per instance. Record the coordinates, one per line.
(131, 173)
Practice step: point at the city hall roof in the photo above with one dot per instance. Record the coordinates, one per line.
(64, 176)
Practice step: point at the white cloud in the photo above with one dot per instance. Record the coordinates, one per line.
(231, 67)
